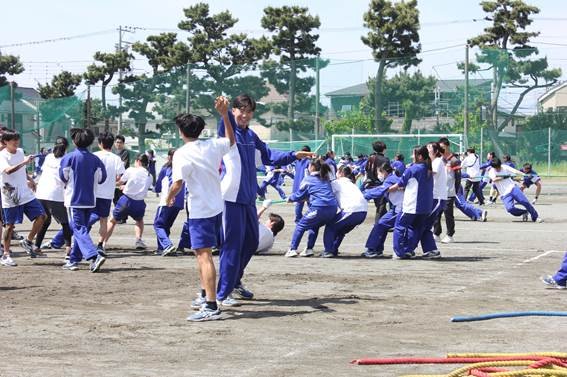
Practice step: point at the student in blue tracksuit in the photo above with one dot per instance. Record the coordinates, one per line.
(330, 160)
(531, 178)
(166, 215)
(507, 160)
(300, 172)
(439, 172)
(417, 182)
(322, 203)
(81, 170)
(398, 164)
(353, 210)
(378, 234)
(559, 280)
(483, 170)
(272, 179)
(239, 188)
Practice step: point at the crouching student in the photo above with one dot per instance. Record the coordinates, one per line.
(135, 183)
(17, 197)
(353, 212)
(378, 234)
(531, 178)
(196, 164)
(81, 170)
(417, 182)
(510, 193)
(166, 215)
(316, 187)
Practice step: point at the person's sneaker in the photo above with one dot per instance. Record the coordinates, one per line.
(447, 239)
(198, 302)
(47, 246)
(229, 301)
(525, 217)
(371, 254)
(243, 293)
(534, 201)
(98, 262)
(405, 256)
(328, 254)
(7, 261)
(433, 254)
(436, 238)
(539, 220)
(306, 253)
(484, 216)
(205, 314)
(67, 257)
(168, 250)
(140, 245)
(16, 236)
(28, 247)
(550, 283)
(291, 254)
(71, 266)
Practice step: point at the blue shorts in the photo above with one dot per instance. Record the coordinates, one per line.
(129, 207)
(102, 208)
(528, 181)
(15, 215)
(205, 232)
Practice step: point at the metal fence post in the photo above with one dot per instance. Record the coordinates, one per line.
(548, 151)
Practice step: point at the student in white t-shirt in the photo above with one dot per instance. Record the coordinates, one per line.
(269, 229)
(51, 194)
(134, 183)
(17, 196)
(471, 164)
(197, 165)
(510, 193)
(104, 192)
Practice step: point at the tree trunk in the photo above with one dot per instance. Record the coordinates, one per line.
(142, 128)
(291, 98)
(378, 100)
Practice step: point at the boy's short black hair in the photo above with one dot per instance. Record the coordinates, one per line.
(399, 157)
(190, 125)
(379, 146)
(106, 139)
(278, 223)
(306, 148)
(10, 135)
(82, 137)
(121, 138)
(527, 165)
(506, 157)
(471, 150)
(244, 101)
(444, 141)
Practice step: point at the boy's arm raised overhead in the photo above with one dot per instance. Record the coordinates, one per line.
(221, 104)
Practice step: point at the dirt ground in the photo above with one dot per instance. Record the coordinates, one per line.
(310, 317)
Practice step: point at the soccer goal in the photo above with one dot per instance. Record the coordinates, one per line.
(357, 144)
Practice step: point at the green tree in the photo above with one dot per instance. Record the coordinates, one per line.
(62, 85)
(394, 40)
(505, 48)
(224, 57)
(9, 65)
(110, 64)
(556, 120)
(293, 39)
(165, 55)
(346, 123)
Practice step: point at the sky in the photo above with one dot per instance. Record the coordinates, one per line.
(445, 27)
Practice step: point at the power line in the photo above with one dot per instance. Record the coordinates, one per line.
(52, 40)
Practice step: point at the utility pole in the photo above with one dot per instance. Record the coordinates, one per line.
(88, 121)
(12, 106)
(466, 99)
(188, 92)
(121, 30)
(317, 98)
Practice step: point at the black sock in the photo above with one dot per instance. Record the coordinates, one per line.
(212, 305)
(203, 293)
(100, 244)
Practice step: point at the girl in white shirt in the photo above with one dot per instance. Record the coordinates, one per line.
(353, 211)
(135, 183)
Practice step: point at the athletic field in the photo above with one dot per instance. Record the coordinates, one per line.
(310, 317)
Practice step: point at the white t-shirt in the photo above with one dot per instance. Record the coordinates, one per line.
(50, 186)
(15, 190)
(506, 185)
(439, 179)
(266, 239)
(138, 181)
(349, 196)
(472, 165)
(114, 167)
(197, 163)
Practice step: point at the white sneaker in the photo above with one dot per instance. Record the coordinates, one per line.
(436, 238)
(306, 253)
(534, 201)
(539, 220)
(447, 239)
(484, 216)
(140, 245)
(7, 261)
(291, 253)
